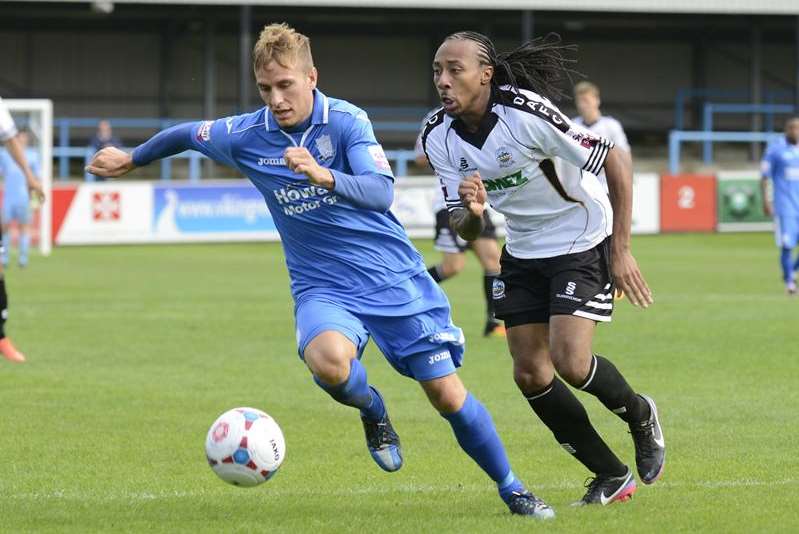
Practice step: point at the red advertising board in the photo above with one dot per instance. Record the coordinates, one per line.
(688, 203)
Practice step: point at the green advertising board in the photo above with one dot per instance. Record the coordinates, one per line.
(740, 203)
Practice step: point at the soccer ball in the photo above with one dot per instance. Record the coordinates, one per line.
(245, 447)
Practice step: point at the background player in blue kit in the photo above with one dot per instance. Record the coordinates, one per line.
(9, 137)
(354, 273)
(781, 166)
(16, 199)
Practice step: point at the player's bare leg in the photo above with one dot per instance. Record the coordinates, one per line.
(570, 343)
(332, 358)
(487, 253)
(560, 411)
(474, 429)
(451, 264)
(7, 348)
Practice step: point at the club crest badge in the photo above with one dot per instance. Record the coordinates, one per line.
(324, 145)
(504, 157)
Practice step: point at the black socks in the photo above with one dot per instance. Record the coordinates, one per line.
(3, 306)
(607, 384)
(563, 414)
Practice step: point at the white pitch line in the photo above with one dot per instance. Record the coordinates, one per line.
(273, 492)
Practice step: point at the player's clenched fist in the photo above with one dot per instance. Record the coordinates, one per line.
(301, 161)
(473, 194)
(111, 162)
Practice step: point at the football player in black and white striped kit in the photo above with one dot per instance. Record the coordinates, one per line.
(495, 140)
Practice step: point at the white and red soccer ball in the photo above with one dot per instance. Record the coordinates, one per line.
(245, 447)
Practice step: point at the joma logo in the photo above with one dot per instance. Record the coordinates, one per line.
(506, 182)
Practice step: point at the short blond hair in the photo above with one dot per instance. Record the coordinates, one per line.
(283, 44)
(584, 87)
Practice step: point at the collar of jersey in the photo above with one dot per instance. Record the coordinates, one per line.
(319, 115)
(478, 138)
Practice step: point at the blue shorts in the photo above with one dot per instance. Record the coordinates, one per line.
(410, 323)
(16, 211)
(786, 230)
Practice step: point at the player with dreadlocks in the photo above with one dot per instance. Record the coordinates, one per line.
(494, 140)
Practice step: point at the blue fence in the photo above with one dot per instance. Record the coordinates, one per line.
(686, 94)
(711, 108)
(64, 152)
(677, 137)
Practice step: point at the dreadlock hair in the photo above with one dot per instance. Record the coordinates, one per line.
(539, 65)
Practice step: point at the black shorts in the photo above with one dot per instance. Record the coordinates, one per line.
(448, 240)
(531, 291)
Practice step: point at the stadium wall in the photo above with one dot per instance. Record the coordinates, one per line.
(152, 212)
(147, 61)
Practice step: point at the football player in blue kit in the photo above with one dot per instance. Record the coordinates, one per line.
(354, 272)
(781, 166)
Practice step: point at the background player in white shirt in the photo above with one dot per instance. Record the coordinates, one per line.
(495, 139)
(587, 99)
(8, 136)
(453, 249)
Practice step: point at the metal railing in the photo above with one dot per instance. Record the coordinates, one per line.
(401, 158)
(687, 95)
(711, 108)
(63, 151)
(677, 137)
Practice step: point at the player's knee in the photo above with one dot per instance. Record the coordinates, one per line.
(445, 394)
(451, 267)
(330, 363)
(571, 364)
(532, 379)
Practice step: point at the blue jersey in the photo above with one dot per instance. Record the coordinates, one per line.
(15, 190)
(333, 248)
(781, 165)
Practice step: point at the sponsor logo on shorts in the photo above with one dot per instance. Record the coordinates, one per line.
(568, 293)
(439, 357)
(570, 287)
(498, 289)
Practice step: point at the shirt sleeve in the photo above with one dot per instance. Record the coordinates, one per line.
(371, 184)
(448, 176)
(618, 137)
(7, 127)
(555, 135)
(211, 138)
(364, 153)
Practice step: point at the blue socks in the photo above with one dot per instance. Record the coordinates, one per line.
(475, 432)
(787, 264)
(6, 247)
(24, 245)
(356, 392)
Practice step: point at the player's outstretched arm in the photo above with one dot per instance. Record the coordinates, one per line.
(627, 275)
(209, 138)
(18, 155)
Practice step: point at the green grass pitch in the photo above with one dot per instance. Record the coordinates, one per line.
(134, 351)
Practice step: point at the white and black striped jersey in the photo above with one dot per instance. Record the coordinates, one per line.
(610, 129)
(7, 127)
(547, 214)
